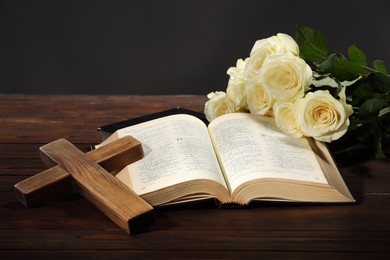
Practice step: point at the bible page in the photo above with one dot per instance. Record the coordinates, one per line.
(250, 148)
(177, 148)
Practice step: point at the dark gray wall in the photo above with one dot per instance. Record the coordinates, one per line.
(166, 46)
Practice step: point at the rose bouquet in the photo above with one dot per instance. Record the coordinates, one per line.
(310, 91)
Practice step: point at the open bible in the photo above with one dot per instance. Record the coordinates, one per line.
(236, 159)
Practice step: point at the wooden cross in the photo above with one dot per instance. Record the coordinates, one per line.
(89, 175)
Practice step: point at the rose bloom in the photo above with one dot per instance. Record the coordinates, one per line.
(217, 105)
(236, 94)
(285, 76)
(236, 86)
(322, 116)
(237, 73)
(258, 99)
(288, 43)
(286, 119)
(279, 43)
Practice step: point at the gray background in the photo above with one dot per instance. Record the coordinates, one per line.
(163, 47)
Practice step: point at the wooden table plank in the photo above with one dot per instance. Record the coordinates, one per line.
(70, 227)
(259, 217)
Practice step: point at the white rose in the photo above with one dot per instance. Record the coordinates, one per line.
(343, 100)
(289, 44)
(236, 94)
(279, 43)
(322, 116)
(237, 73)
(285, 76)
(217, 105)
(236, 86)
(286, 119)
(259, 53)
(258, 99)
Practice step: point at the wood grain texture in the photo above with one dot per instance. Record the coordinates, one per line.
(71, 227)
(33, 191)
(128, 210)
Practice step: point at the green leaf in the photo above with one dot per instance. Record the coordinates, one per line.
(357, 56)
(380, 81)
(384, 111)
(328, 64)
(325, 81)
(312, 44)
(347, 70)
(378, 149)
(379, 65)
(371, 107)
(378, 143)
(355, 123)
(361, 91)
(364, 133)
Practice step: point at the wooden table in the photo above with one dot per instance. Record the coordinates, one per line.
(71, 227)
